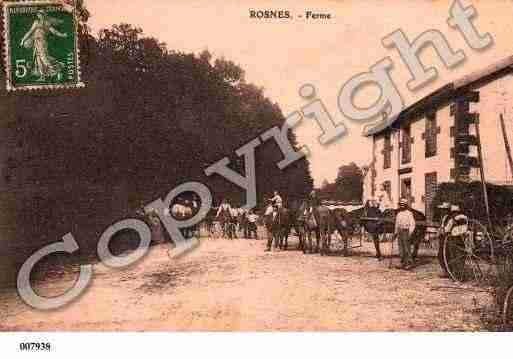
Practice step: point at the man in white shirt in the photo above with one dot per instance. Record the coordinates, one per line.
(456, 227)
(457, 224)
(275, 203)
(269, 210)
(404, 227)
(252, 224)
(277, 200)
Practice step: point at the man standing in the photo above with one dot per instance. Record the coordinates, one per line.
(404, 227)
(276, 200)
(456, 227)
(457, 223)
(313, 204)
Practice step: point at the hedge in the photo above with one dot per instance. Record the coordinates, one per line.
(469, 196)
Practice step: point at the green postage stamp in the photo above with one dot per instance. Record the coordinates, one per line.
(41, 45)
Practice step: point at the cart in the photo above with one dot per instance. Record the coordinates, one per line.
(477, 253)
(482, 256)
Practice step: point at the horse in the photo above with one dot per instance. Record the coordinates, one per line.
(386, 225)
(297, 220)
(342, 224)
(284, 225)
(318, 220)
(354, 220)
(243, 223)
(278, 225)
(209, 220)
(226, 220)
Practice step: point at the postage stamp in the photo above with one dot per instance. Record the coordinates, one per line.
(41, 45)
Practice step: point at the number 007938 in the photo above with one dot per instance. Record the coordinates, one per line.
(35, 346)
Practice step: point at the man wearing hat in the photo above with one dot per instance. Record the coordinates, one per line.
(444, 211)
(312, 204)
(457, 224)
(455, 229)
(404, 227)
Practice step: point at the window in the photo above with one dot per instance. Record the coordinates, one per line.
(431, 134)
(430, 191)
(406, 190)
(387, 151)
(406, 145)
(387, 187)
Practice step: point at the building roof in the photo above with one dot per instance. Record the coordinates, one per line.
(443, 95)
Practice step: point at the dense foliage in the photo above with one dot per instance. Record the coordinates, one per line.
(348, 186)
(148, 120)
(469, 196)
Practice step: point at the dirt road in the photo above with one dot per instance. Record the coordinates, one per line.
(235, 285)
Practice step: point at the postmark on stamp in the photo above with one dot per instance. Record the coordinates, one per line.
(41, 45)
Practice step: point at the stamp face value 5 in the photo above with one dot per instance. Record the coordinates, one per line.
(41, 45)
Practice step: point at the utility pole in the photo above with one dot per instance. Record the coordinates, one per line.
(481, 171)
(506, 144)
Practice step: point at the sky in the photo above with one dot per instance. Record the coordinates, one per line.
(283, 55)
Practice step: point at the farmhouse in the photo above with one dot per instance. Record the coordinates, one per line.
(440, 138)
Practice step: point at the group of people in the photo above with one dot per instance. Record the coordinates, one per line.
(453, 222)
(453, 225)
(246, 219)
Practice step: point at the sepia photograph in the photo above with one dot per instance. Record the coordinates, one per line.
(213, 167)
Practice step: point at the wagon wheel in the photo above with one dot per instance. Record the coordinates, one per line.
(471, 256)
(507, 312)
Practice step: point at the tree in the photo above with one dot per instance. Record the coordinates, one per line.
(328, 191)
(349, 183)
(148, 120)
(469, 197)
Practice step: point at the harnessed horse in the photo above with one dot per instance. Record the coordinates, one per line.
(385, 224)
(278, 225)
(226, 220)
(318, 220)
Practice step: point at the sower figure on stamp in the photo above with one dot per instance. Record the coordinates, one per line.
(37, 38)
(404, 227)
